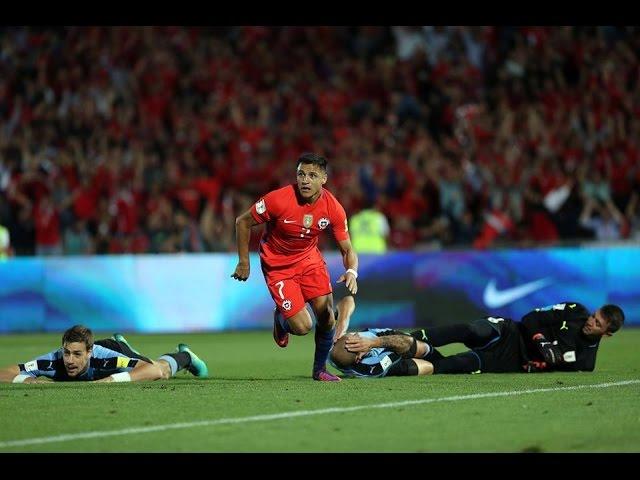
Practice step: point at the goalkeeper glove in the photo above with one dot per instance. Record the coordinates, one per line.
(550, 351)
(532, 366)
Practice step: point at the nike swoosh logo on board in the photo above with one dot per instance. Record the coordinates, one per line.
(494, 298)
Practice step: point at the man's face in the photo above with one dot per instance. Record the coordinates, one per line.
(596, 325)
(310, 181)
(76, 358)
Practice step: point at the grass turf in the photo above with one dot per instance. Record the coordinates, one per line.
(252, 377)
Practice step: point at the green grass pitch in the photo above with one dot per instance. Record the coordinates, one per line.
(260, 398)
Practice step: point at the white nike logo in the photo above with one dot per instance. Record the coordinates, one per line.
(495, 299)
(286, 220)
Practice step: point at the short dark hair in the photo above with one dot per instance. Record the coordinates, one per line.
(78, 333)
(614, 315)
(312, 159)
(342, 357)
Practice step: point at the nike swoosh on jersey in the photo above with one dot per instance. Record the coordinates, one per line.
(494, 298)
(286, 220)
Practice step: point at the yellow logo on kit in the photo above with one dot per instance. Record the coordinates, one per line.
(307, 220)
(564, 325)
(123, 362)
(573, 305)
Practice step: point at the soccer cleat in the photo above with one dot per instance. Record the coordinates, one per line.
(324, 376)
(118, 337)
(197, 367)
(279, 335)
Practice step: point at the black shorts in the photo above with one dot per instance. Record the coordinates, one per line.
(121, 348)
(506, 353)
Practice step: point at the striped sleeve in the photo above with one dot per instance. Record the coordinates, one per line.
(105, 359)
(46, 365)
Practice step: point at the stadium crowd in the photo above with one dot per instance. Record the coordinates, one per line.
(152, 139)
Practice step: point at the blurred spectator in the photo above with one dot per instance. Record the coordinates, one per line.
(369, 230)
(77, 240)
(497, 223)
(632, 212)
(595, 186)
(5, 243)
(408, 41)
(47, 226)
(607, 224)
(403, 235)
(188, 233)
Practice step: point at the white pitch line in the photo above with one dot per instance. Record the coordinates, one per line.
(300, 413)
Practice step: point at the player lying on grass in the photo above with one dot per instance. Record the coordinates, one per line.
(107, 360)
(564, 336)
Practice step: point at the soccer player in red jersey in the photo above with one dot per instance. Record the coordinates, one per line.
(293, 267)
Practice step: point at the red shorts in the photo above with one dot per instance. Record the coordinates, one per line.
(292, 287)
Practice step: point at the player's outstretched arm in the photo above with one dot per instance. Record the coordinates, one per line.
(350, 262)
(143, 371)
(400, 344)
(12, 374)
(345, 307)
(243, 234)
(8, 374)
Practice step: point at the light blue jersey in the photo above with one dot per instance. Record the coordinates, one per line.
(102, 363)
(376, 362)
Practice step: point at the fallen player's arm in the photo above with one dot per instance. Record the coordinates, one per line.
(400, 344)
(345, 308)
(12, 375)
(350, 262)
(8, 374)
(143, 371)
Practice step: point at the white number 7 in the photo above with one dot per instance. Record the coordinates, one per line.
(280, 286)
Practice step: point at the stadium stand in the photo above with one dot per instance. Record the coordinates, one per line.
(152, 139)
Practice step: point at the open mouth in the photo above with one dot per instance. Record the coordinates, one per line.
(305, 189)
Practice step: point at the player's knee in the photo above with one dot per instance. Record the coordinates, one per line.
(300, 328)
(403, 368)
(301, 323)
(481, 333)
(325, 317)
(164, 369)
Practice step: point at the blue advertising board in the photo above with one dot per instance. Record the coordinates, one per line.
(178, 293)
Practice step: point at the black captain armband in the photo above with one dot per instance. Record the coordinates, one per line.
(404, 368)
(112, 363)
(412, 349)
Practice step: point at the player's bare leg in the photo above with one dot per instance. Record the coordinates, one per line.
(298, 324)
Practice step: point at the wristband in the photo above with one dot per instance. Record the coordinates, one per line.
(351, 270)
(20, 378)
(121, 377)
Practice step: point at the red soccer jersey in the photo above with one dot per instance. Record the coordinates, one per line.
(291, 233)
